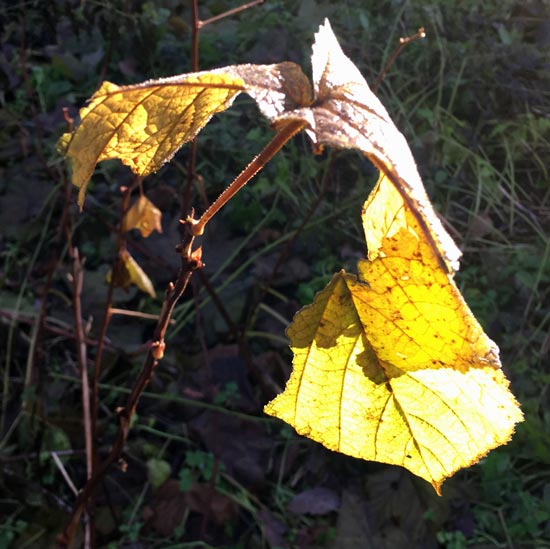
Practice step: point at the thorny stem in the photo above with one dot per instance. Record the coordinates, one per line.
(285, 133)
(403, 41)
(196, 26)
(190, 263)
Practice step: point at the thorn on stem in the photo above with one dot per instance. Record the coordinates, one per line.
(157, 349)
(196, 228)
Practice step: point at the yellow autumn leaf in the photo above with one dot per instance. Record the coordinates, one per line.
(143, 215)
(392, 366)
(145, 124)
(129, 272)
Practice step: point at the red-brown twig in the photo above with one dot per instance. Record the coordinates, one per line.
(120, 243)
(229, 13)
(284, 134)
(77, 274)
(191, 261)
(196, 26)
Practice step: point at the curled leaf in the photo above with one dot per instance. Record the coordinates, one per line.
(143, 215)
(347, 114)
(128, 273)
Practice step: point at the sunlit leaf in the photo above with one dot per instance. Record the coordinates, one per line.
(145, 124)
(143, 215)
(392, 366)
(128, 273)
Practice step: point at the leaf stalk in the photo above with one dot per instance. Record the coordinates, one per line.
(284, 134)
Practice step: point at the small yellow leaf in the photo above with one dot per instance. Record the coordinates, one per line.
(129, 272)
(392, 366)
(143, 215)
(63, 143)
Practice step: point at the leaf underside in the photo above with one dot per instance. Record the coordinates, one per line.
(391, 365)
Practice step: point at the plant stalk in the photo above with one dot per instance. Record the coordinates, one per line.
(284, 134)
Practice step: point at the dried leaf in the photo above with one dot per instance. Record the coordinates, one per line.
(143, 215)
(129, 272)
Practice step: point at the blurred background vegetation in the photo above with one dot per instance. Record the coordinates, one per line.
(205, 467)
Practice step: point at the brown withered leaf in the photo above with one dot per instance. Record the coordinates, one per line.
(128, 273)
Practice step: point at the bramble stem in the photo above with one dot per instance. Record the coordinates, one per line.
(190, 262)
(403, 41)
(284, 134)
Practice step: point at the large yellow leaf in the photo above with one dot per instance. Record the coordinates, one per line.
(392, 366)
(145, 124)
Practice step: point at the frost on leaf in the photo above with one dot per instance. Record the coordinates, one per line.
(392, 366)
(346, 114)
(145, 124)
